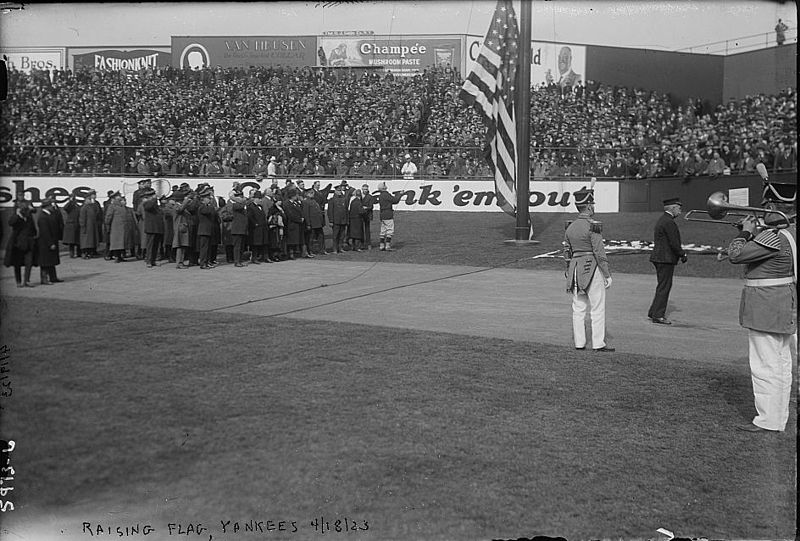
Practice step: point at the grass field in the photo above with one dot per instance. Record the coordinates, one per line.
(153, 415)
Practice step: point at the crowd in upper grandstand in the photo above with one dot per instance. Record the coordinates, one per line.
(232, 122)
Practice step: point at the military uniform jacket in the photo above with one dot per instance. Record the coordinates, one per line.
(585, 242)
(667, 241)
(767, 308)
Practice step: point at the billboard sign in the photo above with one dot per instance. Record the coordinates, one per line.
(444, 195)
(563, 64)
(40, 59)
(199, 52)
(405, 56)
(117, 60)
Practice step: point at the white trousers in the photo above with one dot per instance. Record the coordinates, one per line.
(771, 372)
(593, 304)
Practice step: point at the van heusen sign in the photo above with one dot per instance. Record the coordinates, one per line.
(446, 195)
(117, 60)
(197, 52)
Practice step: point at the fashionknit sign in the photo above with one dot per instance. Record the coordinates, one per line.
(198, 52)
(435, 195)
(117, 60)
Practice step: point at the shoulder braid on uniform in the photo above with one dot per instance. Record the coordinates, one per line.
(769, 238)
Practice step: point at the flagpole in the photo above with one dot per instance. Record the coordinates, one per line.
(524, 228)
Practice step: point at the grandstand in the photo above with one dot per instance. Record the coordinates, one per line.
(165, 121)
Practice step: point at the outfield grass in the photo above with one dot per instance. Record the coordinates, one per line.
(458, 238)
(424, 435)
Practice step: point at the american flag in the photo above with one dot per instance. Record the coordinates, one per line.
(489, 88)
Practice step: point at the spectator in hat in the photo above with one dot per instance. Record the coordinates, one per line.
(588, 273)
(181, 239)
(313, 222)
(355, 226)
(294, 224)
(206, 223)
(72, 233)
(272, 167)
(257, 232)
(338, 217)
(276, 221)
(153, 220)
(368, 202)
(144, 185)
(409, 169)
(667, 250)
(116, 217)
(238, 226)
(780, 32)
(133, 241)
(21, 246)
(90, 223)
(168, 206)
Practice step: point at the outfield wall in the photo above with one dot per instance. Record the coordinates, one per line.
(438, 195)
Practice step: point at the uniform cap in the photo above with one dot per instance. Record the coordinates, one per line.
(584, 196)
(141, 182)
(110, 193)
(672, 201)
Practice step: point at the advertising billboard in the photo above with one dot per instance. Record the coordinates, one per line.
(118, 59)
(563, 64)
(406, 56)
(444, 195)
(197, 52)
(35, 58)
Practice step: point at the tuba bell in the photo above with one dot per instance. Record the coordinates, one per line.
(718, 207)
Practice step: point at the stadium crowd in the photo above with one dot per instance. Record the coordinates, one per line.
(233, 122)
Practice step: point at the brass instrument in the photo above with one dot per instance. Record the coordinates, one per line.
(717, 208)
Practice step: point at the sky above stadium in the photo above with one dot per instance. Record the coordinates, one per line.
(662, 25)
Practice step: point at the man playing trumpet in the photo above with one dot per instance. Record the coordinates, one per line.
(768, 309)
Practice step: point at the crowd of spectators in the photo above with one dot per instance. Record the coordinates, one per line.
(344, 123)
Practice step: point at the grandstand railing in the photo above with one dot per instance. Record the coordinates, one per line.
(743, 43)
(251, 162)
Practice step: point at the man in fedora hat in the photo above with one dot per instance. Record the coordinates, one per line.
(667, 250)
(588, 274)
(153, 224)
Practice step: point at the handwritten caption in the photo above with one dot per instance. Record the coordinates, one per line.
(318, 525)
(7, 473)
(5, 378)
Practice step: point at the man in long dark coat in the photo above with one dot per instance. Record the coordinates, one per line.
(90, 223)
(314, 221)
(338, 217)
(238, 226)
(153, 219)
(144, 186)
(256, 228)
(294, 224)
(667, 251)
(368, 202)
(206, 222)
(49, 233)
(71, 235)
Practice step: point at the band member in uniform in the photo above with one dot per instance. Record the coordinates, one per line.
(768, 309)
(144, 186)
(667, 250)
(206, 222)
(588, 275)
(72, 230)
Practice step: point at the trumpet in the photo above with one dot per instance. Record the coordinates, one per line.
(717, 208)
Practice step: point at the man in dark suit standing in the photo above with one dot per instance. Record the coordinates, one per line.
(666, 252)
